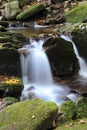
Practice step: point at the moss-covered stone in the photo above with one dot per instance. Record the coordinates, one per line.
(31, 12)
(82, 106)
(8, 45)
(10, 100)
(67, 111)
(77, 14)
(13, 90)
(3, 29)
(28, 115)
(16, 39)
(11, 86)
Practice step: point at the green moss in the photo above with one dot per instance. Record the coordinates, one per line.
(15, 38)
(82, 107)
(10, 100)
(31, 11)
(73, 125)
(5, 39)
(77, 14)
(68, 111)
(28, 115)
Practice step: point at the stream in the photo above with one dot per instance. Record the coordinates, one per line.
(76, 84)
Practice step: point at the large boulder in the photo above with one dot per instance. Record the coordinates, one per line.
(11, 10)
(30, 115)
(61, 57)
(31, 12)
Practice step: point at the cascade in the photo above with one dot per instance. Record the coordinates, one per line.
(37, 75)
(82, 63)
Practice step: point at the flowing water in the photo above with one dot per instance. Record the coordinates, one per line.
(82, 63)
(37, 75)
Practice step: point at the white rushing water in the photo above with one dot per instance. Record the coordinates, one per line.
(37, 75)
(82, 63)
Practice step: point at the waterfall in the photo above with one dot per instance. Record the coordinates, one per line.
(82, 63)
(34, 69)
(37, 75)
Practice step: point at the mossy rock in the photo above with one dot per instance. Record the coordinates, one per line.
(4, 23)
(8, 45)
(5, 39)
(31, 12)
(77, 14)
(10, 100)
(13, 90)
(33, 114)
(16, 39)
(67, 111)
(82, 107)
(3, 29)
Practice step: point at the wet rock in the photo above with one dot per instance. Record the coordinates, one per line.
(61, 57)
